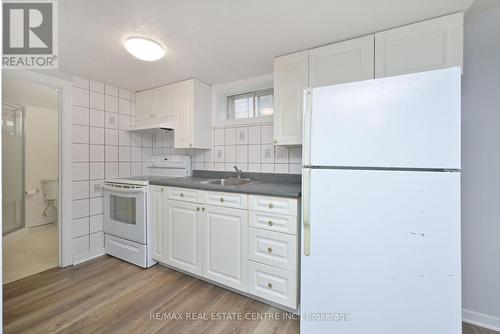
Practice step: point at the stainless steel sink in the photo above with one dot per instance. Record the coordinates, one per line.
(231, 182)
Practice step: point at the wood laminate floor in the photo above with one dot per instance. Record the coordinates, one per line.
(107, 295)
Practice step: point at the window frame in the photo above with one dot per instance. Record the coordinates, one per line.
(221, 92)
(254, 95)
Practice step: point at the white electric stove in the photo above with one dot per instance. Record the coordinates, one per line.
(126, 225)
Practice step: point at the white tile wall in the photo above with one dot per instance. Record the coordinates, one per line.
(100, 150)
(248, 147)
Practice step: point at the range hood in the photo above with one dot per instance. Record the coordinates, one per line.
(139, 127)
(164, 123)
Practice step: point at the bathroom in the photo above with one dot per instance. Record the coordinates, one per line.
(30, 173)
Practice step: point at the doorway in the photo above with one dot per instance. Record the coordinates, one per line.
(30, 182)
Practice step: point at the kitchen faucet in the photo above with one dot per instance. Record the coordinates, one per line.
(238, 172)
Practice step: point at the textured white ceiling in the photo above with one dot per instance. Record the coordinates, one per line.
(217, 40)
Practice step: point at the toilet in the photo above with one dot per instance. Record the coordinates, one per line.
(50, 191)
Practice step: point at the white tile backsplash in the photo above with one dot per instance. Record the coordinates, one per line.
(96, 100)
(111, 103)
(96, 118)
(267, 154)
(242, 135)
(96, 223)
(97, 153)
(97, 86)
(96, 135)
(80, 97)
(111, 120)
(124, 106)
(80, 115)
(230, 136)
(219, 136)
(99, 111)
(266, 134)
(80, 134)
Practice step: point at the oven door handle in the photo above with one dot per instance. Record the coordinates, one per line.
(122, 190)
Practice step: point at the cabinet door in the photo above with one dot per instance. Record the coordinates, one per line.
(167, 101)
(157, 215)
(290, 80)
(347, 61)
(225, 246)
(184, 236)
(145, 105)
(418, 47)
(183, 131)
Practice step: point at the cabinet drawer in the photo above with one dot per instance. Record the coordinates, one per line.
(183, 194)
(277, 249)
(273, 222)
(277, 285)
(286, 206)
(231, 200)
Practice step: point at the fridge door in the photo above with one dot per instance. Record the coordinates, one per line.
(408, 121)
(384, 253)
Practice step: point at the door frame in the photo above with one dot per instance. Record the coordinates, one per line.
(65, 167)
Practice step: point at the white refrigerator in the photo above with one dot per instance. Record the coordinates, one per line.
(381, 206)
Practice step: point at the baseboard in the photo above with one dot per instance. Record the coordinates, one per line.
(89, 256)
(480, 319)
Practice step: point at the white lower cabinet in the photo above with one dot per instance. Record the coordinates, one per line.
(197, 232)
(225, 246)
(184, 233)
(158, 226)
(274, 284)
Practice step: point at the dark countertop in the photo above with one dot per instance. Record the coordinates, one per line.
(281, 185)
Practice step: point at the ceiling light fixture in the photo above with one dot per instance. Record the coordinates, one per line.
(144, 48)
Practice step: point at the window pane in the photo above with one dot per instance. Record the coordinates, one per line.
(240, 106)
(264, 102)
(122, 209)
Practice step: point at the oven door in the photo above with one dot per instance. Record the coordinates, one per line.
(125, 211)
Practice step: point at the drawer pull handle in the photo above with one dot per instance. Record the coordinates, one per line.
(197, 208)
(182, 195)
(270, 285)
(271, 205)
(269, 249)
(222, 200)
(202, 208)
(270, 223)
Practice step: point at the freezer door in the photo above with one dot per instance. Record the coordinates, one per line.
(408, 121)
(384, 253)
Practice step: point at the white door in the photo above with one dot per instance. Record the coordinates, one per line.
(422, 46)
(347, 61)
(183, 131)
(408, 121)
(184, 236)
(145, 105)
(158, 223)
(385, 252)
(290, 80)
(225, 246)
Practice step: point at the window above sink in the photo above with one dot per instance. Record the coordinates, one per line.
(248, 101)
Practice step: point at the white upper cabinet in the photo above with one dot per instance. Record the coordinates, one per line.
(291, 77)
(192, 128)
(184, 106)
(168, 100)
(346, 61)
(145, 106)
(418, 47)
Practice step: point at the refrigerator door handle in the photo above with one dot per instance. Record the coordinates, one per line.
(306, 210)
(306, 130)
